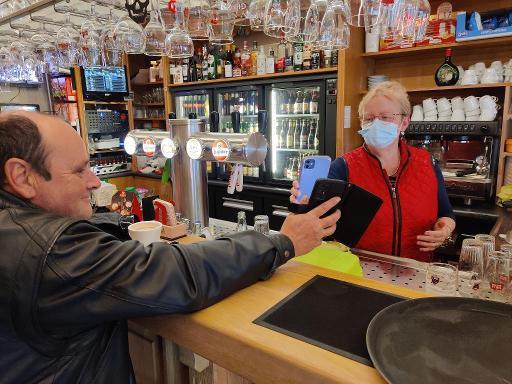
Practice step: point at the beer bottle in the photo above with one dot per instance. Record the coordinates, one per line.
(296, 133)
(306, 102)
(306, 127)
(290, 134)
(284, 132)
(298, 105)
(312, 138)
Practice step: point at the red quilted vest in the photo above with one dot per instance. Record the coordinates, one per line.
(411, 212)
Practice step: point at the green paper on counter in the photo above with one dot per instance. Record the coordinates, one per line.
(331, 256)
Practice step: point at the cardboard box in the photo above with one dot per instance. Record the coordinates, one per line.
(468, 29)
(439, 31)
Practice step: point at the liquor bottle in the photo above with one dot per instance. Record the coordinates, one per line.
(284, 132)
(306, 103)
(193, 68)
(204, 63)
(306, 57)
(172, 72)
(270, 66)
(290, 134)
(291, 101)
(237, 62)
(281, 55)
(288, 59)
(304, 134)
(315, 58)
(298, 105)
(296, 133)
(199, 64)
(327, 53)
(312, 138)
(313, 104)
(212, 64)
(334, 58)
(185, 70)
(447, 73)
(228, 63)
(254, 58)
(260, 62)
(298, 48)
(246, 60)
(219, 61)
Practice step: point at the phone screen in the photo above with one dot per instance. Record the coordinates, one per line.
(312, 169)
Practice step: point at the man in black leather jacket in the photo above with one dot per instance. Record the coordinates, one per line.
(67, 287)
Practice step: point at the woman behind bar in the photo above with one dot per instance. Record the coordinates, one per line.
(416, 216)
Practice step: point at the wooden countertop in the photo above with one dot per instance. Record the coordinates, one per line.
(224, 333)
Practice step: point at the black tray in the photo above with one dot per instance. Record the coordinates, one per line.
(330, 314)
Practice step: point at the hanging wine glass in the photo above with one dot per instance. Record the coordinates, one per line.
(222, 23)
(256, 14)
(130, 36)
(390, 18)
(154, 33)
(240, 8)
(309, 29)
(67, 43)
(422, 17)
(178, 43)
(111, 48)
(362, 13)
(334, 31)
(199, 20)
(406, 27)
(90, 40)
(176, 15)
(45, 51)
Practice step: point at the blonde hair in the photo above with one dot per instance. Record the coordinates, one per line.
(391, 90)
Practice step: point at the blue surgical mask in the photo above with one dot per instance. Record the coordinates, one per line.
(379, 133)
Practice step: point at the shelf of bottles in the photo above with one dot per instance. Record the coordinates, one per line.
(294, 129)
(245, 102)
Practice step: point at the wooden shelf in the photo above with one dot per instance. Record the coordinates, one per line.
(455, 87)
(106, 102)
(60, 101)
(147, 84)
(257, 77)
(149, 104)
(150, 118)
(507, 154)
(496, 41)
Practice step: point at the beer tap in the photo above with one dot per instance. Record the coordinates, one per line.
(214, 120)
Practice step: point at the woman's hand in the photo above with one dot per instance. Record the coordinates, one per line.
(434, 238)
(295, 192)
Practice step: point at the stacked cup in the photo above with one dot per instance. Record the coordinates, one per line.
(417, 113)
(470, 77)
(458, 112)
(508, 71)
(472, 108)
(429, 110)
(488, 108)
(444, 109)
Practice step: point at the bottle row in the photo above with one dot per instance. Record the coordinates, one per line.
(218, 62)
(297, 101)
(290, 168)
(245, 127)
(297, 134)
(197, 104)
(245, 102)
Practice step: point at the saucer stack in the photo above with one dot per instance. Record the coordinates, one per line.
(376, 79)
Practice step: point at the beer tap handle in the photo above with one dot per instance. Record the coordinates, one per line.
(214, 119)
(192, 115)
(235, 120)
(172, 116)
(262, 121)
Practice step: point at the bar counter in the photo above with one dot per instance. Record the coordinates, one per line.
(225, 334)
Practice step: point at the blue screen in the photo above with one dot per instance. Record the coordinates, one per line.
(105, 79)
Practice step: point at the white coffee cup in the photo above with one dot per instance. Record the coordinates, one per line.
(469, 77)
(443, 105)
(488, 115)
(458, 115)
(489, 76)
(457, 103)
(471, 104)
(429, 105)
(146, 232)
(488, 102)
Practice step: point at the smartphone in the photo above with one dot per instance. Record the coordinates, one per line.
(357, 205)
(311, 169)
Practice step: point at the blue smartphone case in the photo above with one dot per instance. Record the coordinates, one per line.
(311, 169)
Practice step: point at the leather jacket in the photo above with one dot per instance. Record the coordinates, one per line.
(67, 288)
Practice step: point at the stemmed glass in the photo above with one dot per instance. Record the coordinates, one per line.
(46, 50)
(281, 18)
(199, 20)
(154, 33)
(111, 48)
(67, 43)
(129, 35)
(334, 31)
(178, 43)
(222, 23)
(90, 40)
(363, 13)
(309, 29)
(256, 14)
(471, 267)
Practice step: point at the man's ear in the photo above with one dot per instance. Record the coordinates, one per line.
(20, 178)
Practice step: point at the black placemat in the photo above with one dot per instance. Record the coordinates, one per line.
(330, 314)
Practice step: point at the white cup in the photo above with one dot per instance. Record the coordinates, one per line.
(469, 77)
(458, 115)
(146, 232)
(471, 104)
(488, 115)
(429, 105)
(428, 118)
(457, 103)
(488, 102)
(489, 76)
(445, 117)
(497, 66)
(443, 105)
(417, 115)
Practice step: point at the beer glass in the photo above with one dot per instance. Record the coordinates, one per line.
(471, 268)
(261, 224)
(488, 243)
(441, 279)
(497, 275)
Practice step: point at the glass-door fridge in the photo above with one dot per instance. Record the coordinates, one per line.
(246, 100)
(302, 122)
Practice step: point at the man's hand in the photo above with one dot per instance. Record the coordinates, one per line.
(434, 238)
(295, 192)
(307, 230)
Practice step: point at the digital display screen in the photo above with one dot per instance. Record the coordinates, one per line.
(105, 79)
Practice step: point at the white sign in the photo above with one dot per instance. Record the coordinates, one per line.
(168, 147)
(194, 149)
(130, 144)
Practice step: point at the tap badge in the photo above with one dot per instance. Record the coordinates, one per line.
(220, 150)
(148, 146)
